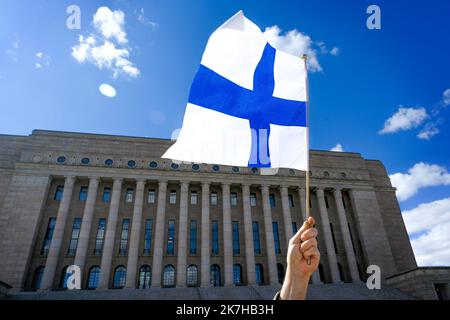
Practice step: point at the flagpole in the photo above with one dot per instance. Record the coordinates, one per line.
(307, 208)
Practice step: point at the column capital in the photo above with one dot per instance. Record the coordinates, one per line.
(206, 183)
(246, 184)
(92, 178)
(162, 181)
(118, 180)
(70, 178)
(226, 184)
(264, 187)
(140, 179)
(184, 185)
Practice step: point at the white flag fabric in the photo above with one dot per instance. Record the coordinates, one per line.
(247, 104)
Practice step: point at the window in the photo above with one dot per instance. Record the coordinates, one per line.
(341, 272)
(234, 199)
(276, 237)
(74, 237)
(291, 201)
(48, 236)
(171, 237)
(351, 238)
(85, 161)
(334, 238)
(153, 164)
(326, 201)
(280, 272)
(193, 238)
(83, 193)
(321, 273)
(235, 169)
(94, 277)
(192, 276)
(343, 202)
(195, 167)
(215, 275)
(124, 237)
(236, 246)
(174, 166)
(38, 273)
(169, 276)
(145, 277)
(173, 197)
(109, 162)
(237, 274)
(255, 170)
(256, 241)
(272, 201)
(58, 193)
(129, 195)
(194, 197)
(253, 199)
(119, 277)
(151, 196)
(131, 164)
(106, 194)
(215, 167)
(214, 198)
(61, 159)
(64, 276)
(100, 236)
(215, 237)
(148, 236)
(294, 227)
(259, 274)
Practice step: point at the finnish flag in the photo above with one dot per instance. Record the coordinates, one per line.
(247, 104)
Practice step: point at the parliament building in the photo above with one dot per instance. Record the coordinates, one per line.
(135, 222)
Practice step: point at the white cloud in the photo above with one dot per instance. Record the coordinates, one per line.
(297, 43)
(446, 97)
(431, 223)
(337, 148)
(107, 90)
(404, 119)
(335, 51)
(421, 175)
(428, 131)
(105, 47)
(42, 60)
(146, 21)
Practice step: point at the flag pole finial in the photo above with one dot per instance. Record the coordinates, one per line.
(305, 56)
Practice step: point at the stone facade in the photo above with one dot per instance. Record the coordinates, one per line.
(352, 200)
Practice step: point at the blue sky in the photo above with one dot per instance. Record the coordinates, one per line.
(370, 75)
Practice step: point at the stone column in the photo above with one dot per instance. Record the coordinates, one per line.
(351, 259)
(182, 235)
(88, 214)
(111, 226)
(302, 197)
(227, 235)
(135, 236)
(326, 234)
(286, 213)
(248, 231)
(206, 239)
(270, 245)
(58, 233)
(159, 234)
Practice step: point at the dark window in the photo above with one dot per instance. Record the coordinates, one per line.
(106, 194)
(343, 202)
(100, 236)
(310, 204)
(38, 273)
(280, 272)
(321, 273)
(213, 198)
(194, 197)
(334, 238)
(94, 277)
(253, 199)
(192, 276)
(171, 237)
(291, 172)
(256, 241)
(174, 166)
(255, 170)
(153, 164)
(64, 276)
(215, 275)
(58, 193)
(341, 272)
(291, 201)
(109, 162)
(276, 237)
(259, 274)
(236, 245)
(195, 167)
(326, 202)
(83, 193)
(193, 238)
(235, 169)
(237, 274)
(129, 195)
(351, 238)
(148, 236)
(120, 275)
(272, 200)
(48, 236)
(145, 277)
(74, 237)
(234, 199)
(169, 276)
(85, 161)
(173, 197)
(294, 227)
(131, 164)
(61, 159)
(216, 167)
(151, 196)
(215, 237)
(124, 237)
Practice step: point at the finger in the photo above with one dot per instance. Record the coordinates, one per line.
(311, 252)
(308, 244)
(306, 225)
(308, 234)
(311, 221)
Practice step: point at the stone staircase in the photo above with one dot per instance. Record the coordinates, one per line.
(341, 291)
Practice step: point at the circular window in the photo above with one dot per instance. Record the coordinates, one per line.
(215, 167)
(291, 172)
(255, 170)
(131, 164)
(85, 161)
(109, 162)
(153, 164)
(174, 166)
(195, 167)
(61, 159)
(343, 175)
(235, 169)
(326, 174)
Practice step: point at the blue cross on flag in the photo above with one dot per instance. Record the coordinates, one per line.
(247, 104)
